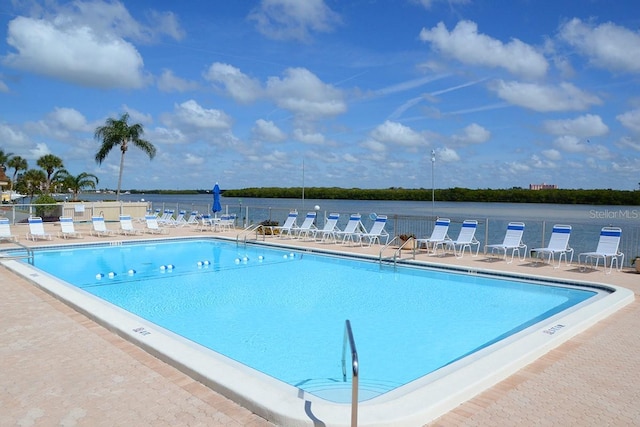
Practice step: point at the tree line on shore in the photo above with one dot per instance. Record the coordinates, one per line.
(512, 195)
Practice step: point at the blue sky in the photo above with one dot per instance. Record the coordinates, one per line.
(343, 93)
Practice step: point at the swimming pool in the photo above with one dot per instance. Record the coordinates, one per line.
(252, 303)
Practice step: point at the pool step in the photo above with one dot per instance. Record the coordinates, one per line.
(336, 390)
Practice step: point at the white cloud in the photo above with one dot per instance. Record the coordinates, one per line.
(308, 138)
(169, 82)
(40, 150)
(11, 137)
(240, 87)
(193, 114)
(630, 120)
(68, 118)
(398, 134)
(162, 135)
(472, 134)
(303, 93)
(583, 126)
(608, 45)
(76, 54)
(268, 131)
(3, 87)
(544, 98)
(193, 159)
(293, 19)
(447, 155)
(374, 145)
(552, 154)
(466, 45)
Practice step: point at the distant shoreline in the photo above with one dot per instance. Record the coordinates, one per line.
(514, 195)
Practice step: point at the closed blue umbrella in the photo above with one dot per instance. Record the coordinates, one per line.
(216, 199)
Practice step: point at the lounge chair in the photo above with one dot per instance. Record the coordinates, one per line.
(607, 249)
(329, 229)
(375, 234)
(307, 227)
(99, 227)
(153, 226)
(437, 238)
(36, 229)
(288, 225)
(67, 228)
(5, 231)
(193, 218)
(226, 222)
(126, 226)
(512, 242)
(353, 227)
(558, 244)
(179, 220)
(466, 239)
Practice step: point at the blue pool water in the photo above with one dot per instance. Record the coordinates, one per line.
(283, 312)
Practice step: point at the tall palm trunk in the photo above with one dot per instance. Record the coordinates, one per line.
(123, 150)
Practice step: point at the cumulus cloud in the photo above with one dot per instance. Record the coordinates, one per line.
(583, 126)
(169, 82)
(293, 19)
(630, 120)
(74, 54)
(607, 46)
(303, 93)
(11, 137)
(238, 85)
(466, 45)
(193, 114)
(3, 87)
(447, 155)
(268, 131)
(552, 154)
(308, 138)
(162, 135)
(69, 118)
(472, 134)
(398, 134)
(545, 98)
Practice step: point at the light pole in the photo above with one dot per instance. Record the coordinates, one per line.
(433, 189)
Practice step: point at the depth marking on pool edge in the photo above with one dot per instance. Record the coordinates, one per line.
(552, 330)
(142, 331)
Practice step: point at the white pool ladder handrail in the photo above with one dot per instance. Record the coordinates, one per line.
(348, 335)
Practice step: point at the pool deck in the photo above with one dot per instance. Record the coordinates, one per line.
(58, 367)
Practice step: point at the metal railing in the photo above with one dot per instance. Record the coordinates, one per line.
(348, 336)
(9, 254)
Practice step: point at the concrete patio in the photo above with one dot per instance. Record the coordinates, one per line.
(57, 367)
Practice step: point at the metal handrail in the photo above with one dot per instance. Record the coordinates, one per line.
(348, 335)
(246, 231)
(398, 250)
(29, 256)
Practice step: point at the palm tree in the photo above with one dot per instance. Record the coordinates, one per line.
(32, 182)
(118, 132)
(4, 158)
(76, 183)
(50, 163)
(16, 163)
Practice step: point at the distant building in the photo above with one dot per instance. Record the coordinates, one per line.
(543, 186)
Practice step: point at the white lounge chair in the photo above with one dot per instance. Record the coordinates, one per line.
(307, 227)
(288, 225)
(466, 239)
(36, 229)
(99, 227)
(67, 228)
(438, 236)
(5, 230)
(329, 229)
(607, 249)
(353, 227)
(153, 226)
(375, 234)
(558, 244)
(225, 223)
(126, 226)
(512, 242)
(193, 218)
